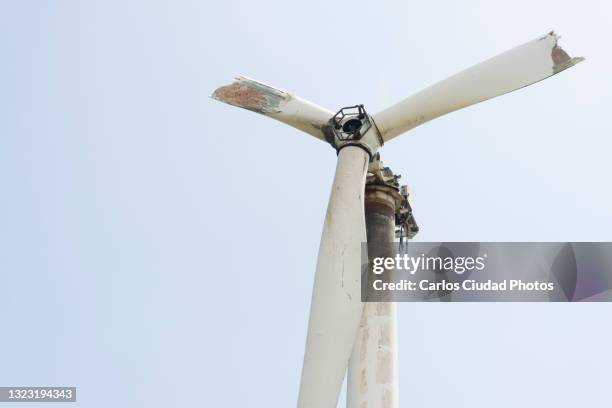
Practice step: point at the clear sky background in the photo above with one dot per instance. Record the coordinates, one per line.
(157, 248)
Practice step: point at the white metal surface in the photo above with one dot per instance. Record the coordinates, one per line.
(514, 69)
(373, 371)
(278, 104)
(336, 305)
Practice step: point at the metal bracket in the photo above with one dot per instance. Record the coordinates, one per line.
(378, 175)
(352, 126)
(405, 224)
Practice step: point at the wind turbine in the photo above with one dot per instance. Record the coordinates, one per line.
(357, 136)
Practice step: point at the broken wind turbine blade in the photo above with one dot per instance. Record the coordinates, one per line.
(278, 104)
(507, 72)
(336, 307)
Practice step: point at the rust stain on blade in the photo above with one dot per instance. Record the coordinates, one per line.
(384, 336)
(363, 381)
(365, 337)
(384, 367)
(252, 95)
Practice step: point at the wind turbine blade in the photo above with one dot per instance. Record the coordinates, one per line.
(507, 72)
(278, 104)
(336, 305)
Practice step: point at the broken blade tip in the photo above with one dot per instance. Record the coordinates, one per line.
(237, 79)
(572, 60)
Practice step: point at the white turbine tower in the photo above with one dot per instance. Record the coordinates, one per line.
(336, 306)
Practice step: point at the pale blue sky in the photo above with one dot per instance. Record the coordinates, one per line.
(157, 248)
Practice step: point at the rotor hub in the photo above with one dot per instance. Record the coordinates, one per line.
(352, 126)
